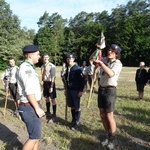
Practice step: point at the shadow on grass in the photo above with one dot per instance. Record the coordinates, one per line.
(81, 127)
(133, 139)
(126, 142)
(80, 143)
(137, 138)
(10, 102)
(138, 115)
(127, 97)
(9, 138)
(133, 98)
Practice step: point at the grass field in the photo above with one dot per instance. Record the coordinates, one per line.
(132, 117)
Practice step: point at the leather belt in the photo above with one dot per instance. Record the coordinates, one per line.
(27, 104)
(107, 87)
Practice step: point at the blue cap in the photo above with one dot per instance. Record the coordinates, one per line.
(116, 47)
(30, 49)
(70, 56)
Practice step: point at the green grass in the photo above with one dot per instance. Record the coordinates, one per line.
(132, 118)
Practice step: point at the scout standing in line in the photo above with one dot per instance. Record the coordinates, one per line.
(30, 96)
(111, 68)
(11, 82)
(49, 90)
(141, 78)
(75, 82)
(84, 71)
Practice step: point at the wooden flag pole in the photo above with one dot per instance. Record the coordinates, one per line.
(6, 98)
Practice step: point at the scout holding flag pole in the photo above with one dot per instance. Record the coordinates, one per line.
(96, 55)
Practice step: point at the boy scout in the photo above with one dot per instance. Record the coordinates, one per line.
(11, 82)
(110, 70)
(49, 90)
(30, 96)
(75, 82)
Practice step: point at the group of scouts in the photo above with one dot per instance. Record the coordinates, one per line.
(28, 86)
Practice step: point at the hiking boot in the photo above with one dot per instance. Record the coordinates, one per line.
(75, 126)
(47, 113)
(71, 123)
(53, 119)
(105, 140)
(112, 143)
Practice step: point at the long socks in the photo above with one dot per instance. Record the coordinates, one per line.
(48, 107)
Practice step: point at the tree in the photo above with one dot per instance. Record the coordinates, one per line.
(53, 28)
(12, 37)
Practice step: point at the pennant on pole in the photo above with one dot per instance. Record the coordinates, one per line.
(102, 42)
(100, 45)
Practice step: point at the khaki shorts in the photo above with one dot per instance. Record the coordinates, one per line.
(107, 99)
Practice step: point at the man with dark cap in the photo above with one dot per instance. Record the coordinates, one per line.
(48, 71)
(110, 70)
(30, 96)
(75, 82)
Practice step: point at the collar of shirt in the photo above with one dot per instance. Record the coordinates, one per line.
(30, 63)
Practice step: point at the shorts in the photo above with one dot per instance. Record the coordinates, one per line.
(107, 99)
(140, 87)
(32, 121)
(13, 91)
(73, 100)
(46, 87)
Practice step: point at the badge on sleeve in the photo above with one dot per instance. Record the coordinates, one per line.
(28, 72)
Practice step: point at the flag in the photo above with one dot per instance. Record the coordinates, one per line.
(102, 42)
(101, 45)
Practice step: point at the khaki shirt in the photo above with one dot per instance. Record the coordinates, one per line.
(28, 82)
(116, 67)
(11, 73)
(48, 71)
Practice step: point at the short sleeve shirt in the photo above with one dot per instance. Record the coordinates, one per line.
(11, 72)
(116, 67)
(49, 71)
(28, 82)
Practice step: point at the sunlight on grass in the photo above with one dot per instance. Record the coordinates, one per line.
(132, 117)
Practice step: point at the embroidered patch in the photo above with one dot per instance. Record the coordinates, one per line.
(28, 72)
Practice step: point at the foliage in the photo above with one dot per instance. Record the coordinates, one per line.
(127, 25)
(50, 37)
(12, 37)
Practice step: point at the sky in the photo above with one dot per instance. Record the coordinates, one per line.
(29, 11)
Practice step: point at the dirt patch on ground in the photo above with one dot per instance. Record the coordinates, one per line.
(13, 134)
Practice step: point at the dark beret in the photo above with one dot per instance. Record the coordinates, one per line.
(116, 47)
(30, 49)
(70, 56)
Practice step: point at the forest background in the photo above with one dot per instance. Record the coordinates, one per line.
(128, 26)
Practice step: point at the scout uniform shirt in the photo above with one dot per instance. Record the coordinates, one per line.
(116, 66)
(11, 72)
(48, 72)
(75, 78)
(28, 82)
